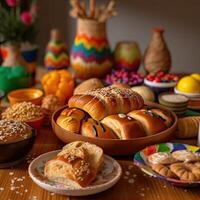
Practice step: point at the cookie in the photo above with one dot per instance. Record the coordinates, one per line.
(161, 158)
(185, 156)
(163, 170)
(186, 171)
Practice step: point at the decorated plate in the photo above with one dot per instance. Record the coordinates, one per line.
(140, 159)
(109, 175)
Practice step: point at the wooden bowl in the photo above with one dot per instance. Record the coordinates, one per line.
(116, 146)
(30, 94)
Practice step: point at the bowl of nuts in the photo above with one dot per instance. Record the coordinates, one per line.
(26, 112)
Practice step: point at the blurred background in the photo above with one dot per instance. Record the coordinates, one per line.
(135, 21)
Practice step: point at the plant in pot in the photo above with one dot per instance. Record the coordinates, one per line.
(91, 55)
(18, 25)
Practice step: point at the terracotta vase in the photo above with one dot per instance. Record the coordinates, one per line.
(127, 55)
(157, 56)
(90, 54)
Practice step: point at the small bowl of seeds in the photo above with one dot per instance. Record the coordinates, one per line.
(26, 112)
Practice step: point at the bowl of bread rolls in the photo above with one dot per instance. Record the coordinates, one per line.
(116, 119)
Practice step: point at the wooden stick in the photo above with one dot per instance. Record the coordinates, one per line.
(92, 8)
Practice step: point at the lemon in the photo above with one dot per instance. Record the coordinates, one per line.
(188, 84)
(196, 76)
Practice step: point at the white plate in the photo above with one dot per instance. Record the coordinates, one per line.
(160, 85)
(108, 177)
(190, 95)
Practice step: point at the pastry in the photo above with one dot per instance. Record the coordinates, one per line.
(161, 158)
(106, 101)
(93, 128)
(120, 85)
(14, 131)
(124, 126)
(186, 156)
(164, 114)
(188, 127)
(88, 85)
(70, 119)
(186, 171)
(151, 122)
(163, 170)
(78, 164)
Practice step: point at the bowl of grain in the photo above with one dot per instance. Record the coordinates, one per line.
(26, 112)
(16, 140)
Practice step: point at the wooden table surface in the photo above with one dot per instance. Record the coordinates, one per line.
(15, 183)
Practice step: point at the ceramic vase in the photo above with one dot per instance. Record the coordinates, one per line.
(56, 56)
(90, 54)
(157, 56)
(127, 55)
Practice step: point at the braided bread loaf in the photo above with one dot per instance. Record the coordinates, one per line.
(106, 101)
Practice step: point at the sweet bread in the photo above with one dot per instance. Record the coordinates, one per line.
(124, 126)
(188, 127)
(90, 84)
(70, 119)
(186, 171)
(161, 158)
(93, 128)
(103, 102)
(75, 165)
(151, 122)
(163, 170)
(186, 156)
(164, 114)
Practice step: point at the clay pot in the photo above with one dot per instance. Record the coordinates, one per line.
(157, 56)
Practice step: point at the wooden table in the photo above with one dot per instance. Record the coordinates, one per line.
(15, 183)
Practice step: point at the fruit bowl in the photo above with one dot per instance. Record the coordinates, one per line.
(189, 95)
(116, 146)
(160, 87)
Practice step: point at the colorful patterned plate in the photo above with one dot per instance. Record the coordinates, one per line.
(109, 176)
(140, 159)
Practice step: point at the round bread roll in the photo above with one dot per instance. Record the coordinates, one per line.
(93, 128)
(164, 114)
(120, 85)
(70, 119)
(124, 126)
(146, 93)
(150, 121)
(88, 85)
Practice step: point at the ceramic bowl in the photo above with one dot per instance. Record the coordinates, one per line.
(116, 146)
(31, 94)
(160, 87)
(189, 95)
(14, 152)
(140, 160)
(36, 123)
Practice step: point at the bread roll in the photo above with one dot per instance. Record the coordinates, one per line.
(107, 101)
(124, 126)
(188, 127)
(151, 122)
(88, 85)
(70, 119)
(77, 165)
(93, 128)
(164, 114)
